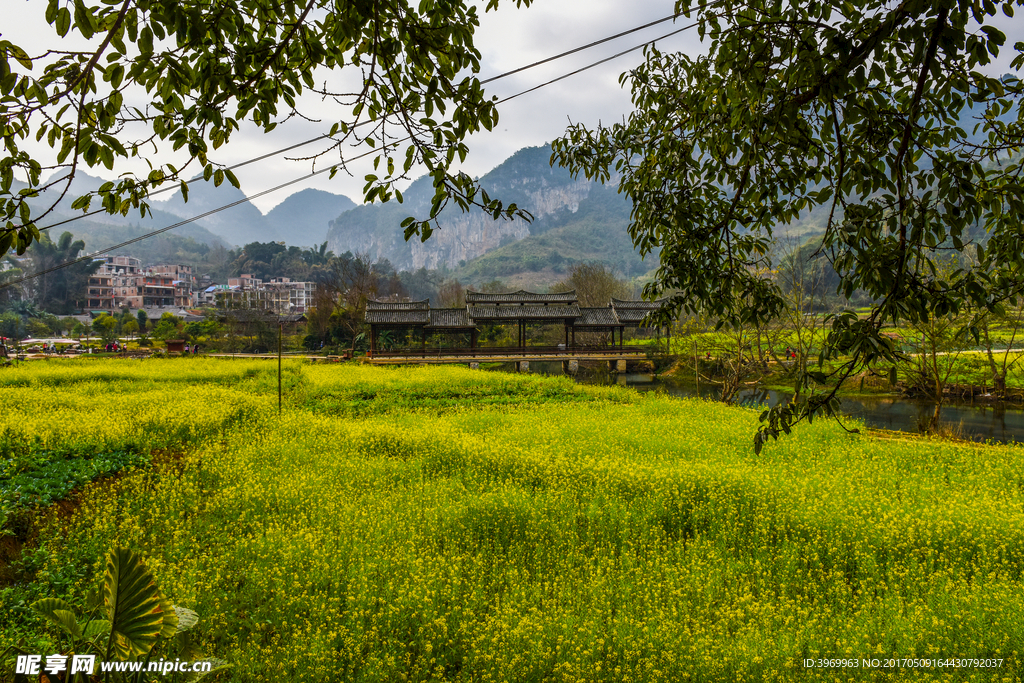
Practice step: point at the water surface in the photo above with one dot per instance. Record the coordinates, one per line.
(979, 422)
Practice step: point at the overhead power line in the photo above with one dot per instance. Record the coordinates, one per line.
(92, 256)
(362, 123)
(598, 63)
(579, 49)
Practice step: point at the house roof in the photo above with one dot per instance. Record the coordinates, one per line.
(520, 297)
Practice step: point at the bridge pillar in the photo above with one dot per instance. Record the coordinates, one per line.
(570, 367)
(620, 366)
(474, 366)
(524, 366)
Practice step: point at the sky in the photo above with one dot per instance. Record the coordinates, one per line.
(507, 39)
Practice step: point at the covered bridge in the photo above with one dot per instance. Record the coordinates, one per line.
(514, 308)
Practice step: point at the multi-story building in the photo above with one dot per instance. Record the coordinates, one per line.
(100, 294)
(285, 296)
(123, 282)
(133, 286)
(244, 291)
(121, 265)
(121, 272)
(184, 283)
(210, 296)
(144, 290)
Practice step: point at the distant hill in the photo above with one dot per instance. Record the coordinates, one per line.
(304, 218)
(238, 225)
(103, 230)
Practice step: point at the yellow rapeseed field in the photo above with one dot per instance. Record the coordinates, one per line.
(443, 524)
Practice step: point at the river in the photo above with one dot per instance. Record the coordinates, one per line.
(978, 422)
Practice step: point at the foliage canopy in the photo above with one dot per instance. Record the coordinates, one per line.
(881, 113)
(188, 74)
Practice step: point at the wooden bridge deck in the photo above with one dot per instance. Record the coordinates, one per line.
(505, 355)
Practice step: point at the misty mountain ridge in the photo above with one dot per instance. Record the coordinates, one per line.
(302, 219)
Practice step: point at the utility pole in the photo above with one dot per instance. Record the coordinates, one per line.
(696, 368)
(280, 328)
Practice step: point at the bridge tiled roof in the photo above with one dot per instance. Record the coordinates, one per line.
(450, 318)
(500, 313)
(423, 305)
(510, 308)
(597, 317)
(633, 312)
(410, 318)
(407, 313)
(521, 297)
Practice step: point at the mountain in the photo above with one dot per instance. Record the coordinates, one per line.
(304, 218)
(552, 195)
(104, 230)
(594, 233)
(238, 225)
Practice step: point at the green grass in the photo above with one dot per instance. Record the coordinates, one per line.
(446, 524)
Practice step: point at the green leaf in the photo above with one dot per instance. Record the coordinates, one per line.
(186, 618)
(63, 21)
(19, 55)
(60, 613)
(97, 631)
(133, 603)
(215, 665)
(171, 623)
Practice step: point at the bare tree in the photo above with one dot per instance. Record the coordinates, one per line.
(595, 284)
(1001, 367)
(451, 294)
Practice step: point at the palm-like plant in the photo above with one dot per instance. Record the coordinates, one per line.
(128, 620)
(58, 290)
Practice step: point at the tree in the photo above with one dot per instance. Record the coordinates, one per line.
(451, 294)
(595, 285)
(130, 327)
(59, 290)
(348, 283)
(168, 327)
(106, 326)
(804, 280)
(82, 329)
(207, 68)
(9, 271)
(875, 116)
